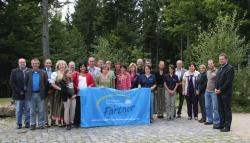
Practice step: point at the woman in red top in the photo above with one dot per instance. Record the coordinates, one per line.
(81, 79)
(123, 79)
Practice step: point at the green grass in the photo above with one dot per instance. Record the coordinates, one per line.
(4, 101)
(240, 109)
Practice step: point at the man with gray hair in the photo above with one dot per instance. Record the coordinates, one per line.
(72, 66)
(94, 71)
(140, 66)
(180, 72)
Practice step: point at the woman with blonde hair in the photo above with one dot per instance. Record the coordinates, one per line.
(201, 85)
(133, 75)
(57, 106)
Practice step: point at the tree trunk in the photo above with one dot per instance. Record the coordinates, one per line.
(45, 37)
(181, 56)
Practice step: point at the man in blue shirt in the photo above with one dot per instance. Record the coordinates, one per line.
(36, 83)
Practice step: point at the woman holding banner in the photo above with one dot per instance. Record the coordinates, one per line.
(148, 80)
(81, 79)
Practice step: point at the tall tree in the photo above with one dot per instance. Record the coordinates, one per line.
(84, 18)
(45, 29)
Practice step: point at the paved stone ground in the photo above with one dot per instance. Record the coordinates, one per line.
(161, 131)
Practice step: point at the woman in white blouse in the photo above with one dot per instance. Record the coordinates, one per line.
(188, 84)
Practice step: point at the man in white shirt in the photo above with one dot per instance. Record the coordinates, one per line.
(94, 71)
(180, 72)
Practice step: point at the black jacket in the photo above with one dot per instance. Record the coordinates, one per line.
(135, 81)
(224, 81)
(65, 91)
(52, 70)
(201, 83)
(17, 83)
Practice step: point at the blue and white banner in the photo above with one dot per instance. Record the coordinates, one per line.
(109, 107)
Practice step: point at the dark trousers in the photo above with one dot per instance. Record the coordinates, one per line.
(192, 105)
(201, 99)
(77, 119)
(224, 104)
(181, 100)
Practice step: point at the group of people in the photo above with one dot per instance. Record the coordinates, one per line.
(53, 93)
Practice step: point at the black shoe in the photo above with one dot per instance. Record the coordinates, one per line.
(41, 127)
(189, 118)
(225, 129)
(151, 120)
(217, 127)
(160, 116)
(76, 125)
(207, 123)
(179, 116)
(32, 127)
(19, 126)
(202, 121)
(68, 127)
(47, 125)
(27, 126)
(196, 118)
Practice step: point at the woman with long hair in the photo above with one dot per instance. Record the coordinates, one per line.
(57, 106)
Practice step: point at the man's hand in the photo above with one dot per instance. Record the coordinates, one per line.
(217, 91)
(197, 93)
(73, 97)
(152, 88)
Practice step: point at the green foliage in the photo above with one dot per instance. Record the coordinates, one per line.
(105, 49)
(223, 37)
(65, 43)
(183, 19)
(241, 90)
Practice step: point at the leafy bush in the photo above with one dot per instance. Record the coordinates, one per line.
(111, 48)
(222, 37)
(241, 90)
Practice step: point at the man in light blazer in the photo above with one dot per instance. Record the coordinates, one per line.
(180, 72)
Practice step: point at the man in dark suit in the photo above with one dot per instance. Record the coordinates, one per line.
(224, 89)
(36, 83)
(17, 84)
(49, 94)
